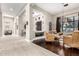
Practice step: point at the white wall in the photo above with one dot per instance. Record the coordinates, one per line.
(28, 19)
(0, 24)
(16, 29)
(47, 17)
(45, 22)
(22, 21)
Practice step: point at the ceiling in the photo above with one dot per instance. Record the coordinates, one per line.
(52, 8)
(12, 8)
(56, 8)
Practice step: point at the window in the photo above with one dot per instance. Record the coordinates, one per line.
(69, 24)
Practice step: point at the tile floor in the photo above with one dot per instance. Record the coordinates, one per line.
(16, 46)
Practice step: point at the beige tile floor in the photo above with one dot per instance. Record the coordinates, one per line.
(16, 46)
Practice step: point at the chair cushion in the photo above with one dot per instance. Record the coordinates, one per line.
(75, 45)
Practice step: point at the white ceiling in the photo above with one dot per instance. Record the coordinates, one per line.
(55, 8)
(72, 6)
(12, 8)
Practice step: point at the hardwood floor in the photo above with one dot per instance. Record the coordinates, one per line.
(56, 48)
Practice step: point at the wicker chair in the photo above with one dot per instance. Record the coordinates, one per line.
(49, 37)
(72, 41)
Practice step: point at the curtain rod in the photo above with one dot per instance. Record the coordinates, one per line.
(70, 13)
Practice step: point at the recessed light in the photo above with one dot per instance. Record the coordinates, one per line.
(11, 9)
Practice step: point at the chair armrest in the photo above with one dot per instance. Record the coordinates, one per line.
(67, 39)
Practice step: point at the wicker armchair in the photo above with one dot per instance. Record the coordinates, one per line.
(49, 37)
(72, 41)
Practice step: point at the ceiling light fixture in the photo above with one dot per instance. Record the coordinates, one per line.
(65, 5)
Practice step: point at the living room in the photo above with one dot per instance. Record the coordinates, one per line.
(45, 28)
(62, 34)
